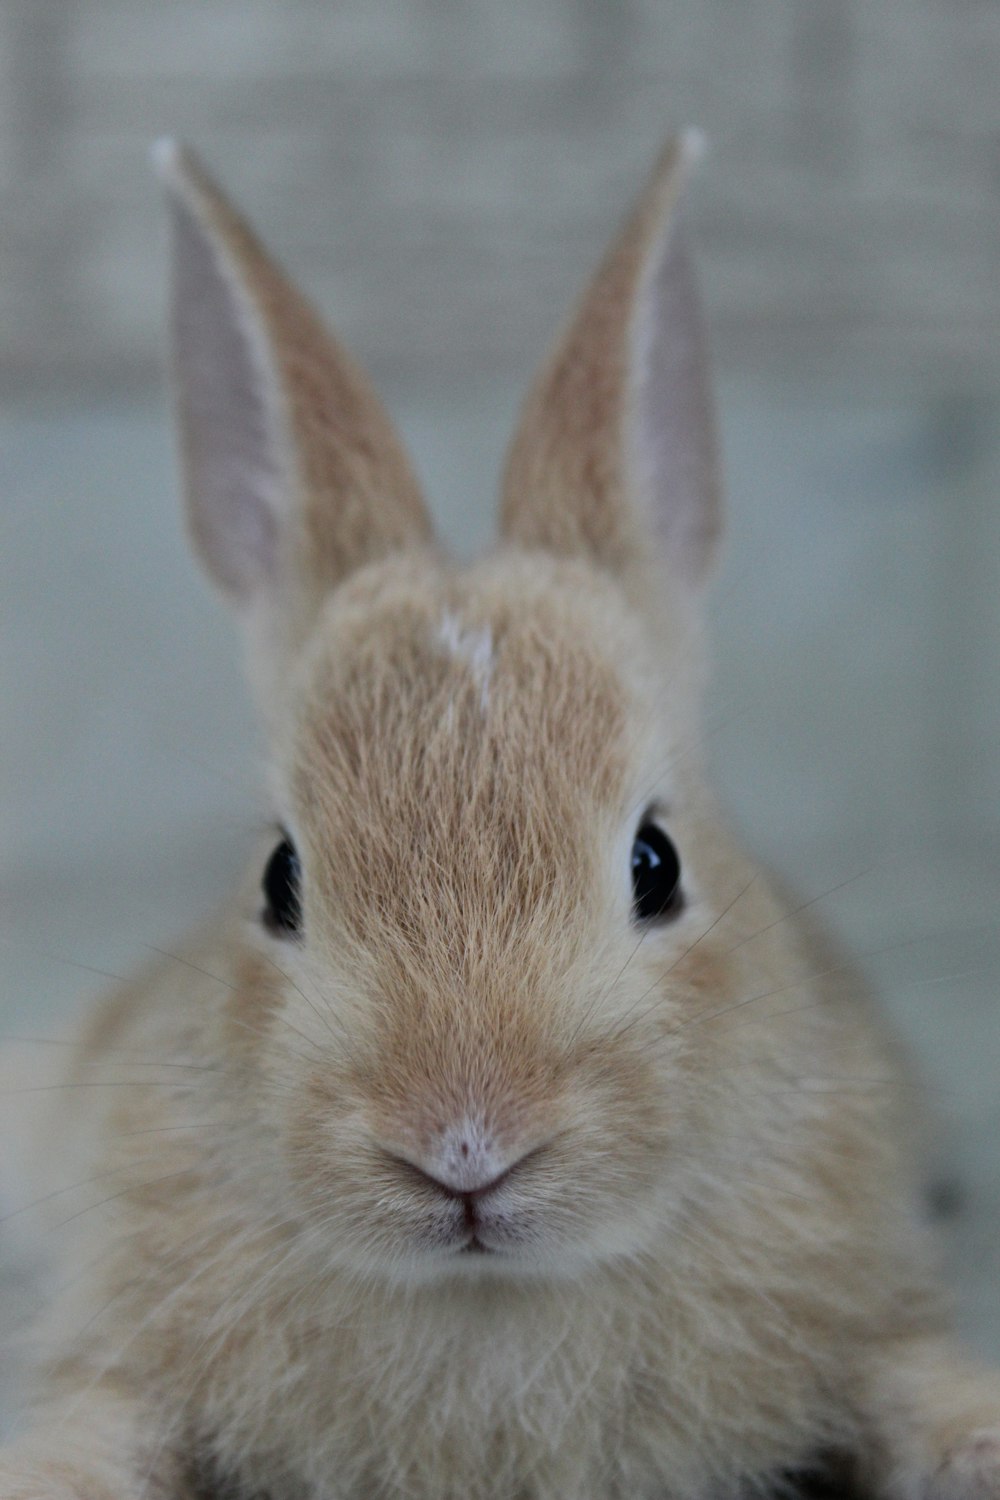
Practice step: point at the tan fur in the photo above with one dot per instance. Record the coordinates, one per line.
(707, 1271)
(352, 465)
(566, 483)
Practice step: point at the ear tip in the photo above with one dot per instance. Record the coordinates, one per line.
(680, 154)
(693, 145)
(166, 154)
(175, 164)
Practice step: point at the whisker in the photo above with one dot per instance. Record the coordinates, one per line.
(326, 1017)
(71, 1187)
(128, 1135)
(178, 958)
(69, 963)
(630, 1018)
(135, 1059)
(846, 964)
(94, 1083)
(131, 1188)
(608, 990)
(236, 989)
(802, 906)
(859, 1086)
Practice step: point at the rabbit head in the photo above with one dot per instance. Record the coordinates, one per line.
(493, 908)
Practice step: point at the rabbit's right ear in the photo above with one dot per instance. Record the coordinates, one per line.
(293, 473)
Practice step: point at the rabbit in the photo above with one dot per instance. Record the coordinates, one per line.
(493, 1142)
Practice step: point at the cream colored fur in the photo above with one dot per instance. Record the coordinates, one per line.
(707, 1270)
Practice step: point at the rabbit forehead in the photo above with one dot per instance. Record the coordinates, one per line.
(538, 646)
(458, 734)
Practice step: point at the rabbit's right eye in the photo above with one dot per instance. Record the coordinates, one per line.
(282, 877)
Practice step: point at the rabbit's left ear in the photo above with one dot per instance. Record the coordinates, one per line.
(293, 473)
(615, 456)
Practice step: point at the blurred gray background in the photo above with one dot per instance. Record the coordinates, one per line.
(441, 177)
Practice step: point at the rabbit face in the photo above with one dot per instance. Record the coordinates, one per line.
(496, 1071)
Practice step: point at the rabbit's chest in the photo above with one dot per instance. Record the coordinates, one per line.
(526, 1413)
(378, 1414)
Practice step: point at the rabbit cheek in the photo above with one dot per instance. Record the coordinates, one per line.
(626, 1116)
(358, 1213)
(249, 1008)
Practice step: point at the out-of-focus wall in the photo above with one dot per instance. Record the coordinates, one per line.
(439, 171)
(442, 176)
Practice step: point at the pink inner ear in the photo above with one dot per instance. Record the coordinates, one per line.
(672, 442)
(228, 423)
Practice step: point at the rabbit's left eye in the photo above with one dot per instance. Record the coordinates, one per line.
(656, 876)
(282, 879)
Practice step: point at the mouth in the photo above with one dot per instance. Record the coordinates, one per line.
(475, 1247)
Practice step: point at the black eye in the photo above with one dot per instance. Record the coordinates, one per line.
(283, 911)
(656, 875)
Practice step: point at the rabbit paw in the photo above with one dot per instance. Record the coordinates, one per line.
(971, 1469)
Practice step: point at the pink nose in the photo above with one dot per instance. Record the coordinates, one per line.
(465, 1188)
(464, 1161)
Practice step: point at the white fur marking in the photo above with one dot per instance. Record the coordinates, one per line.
(471, 645)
